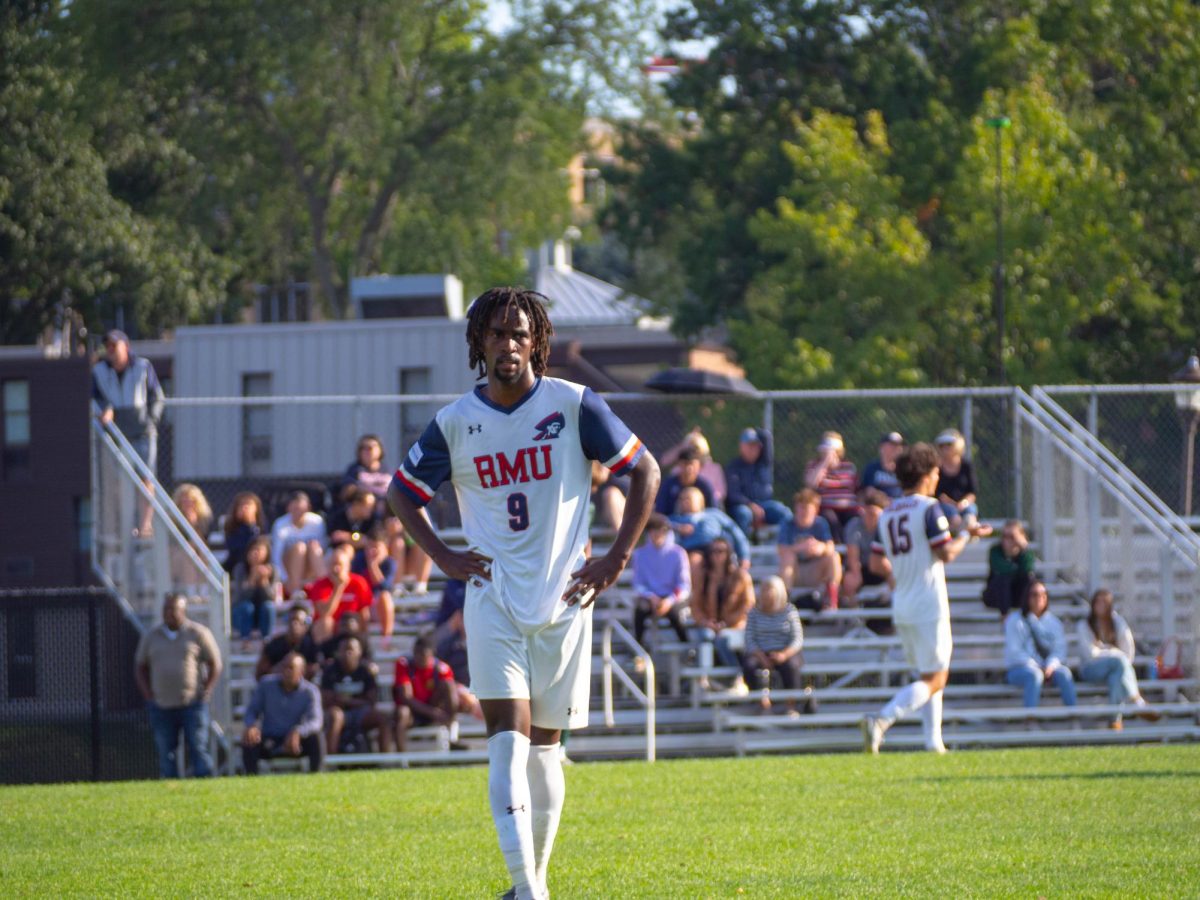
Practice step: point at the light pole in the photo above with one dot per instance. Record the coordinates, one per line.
(1187, 401)
(998, 124)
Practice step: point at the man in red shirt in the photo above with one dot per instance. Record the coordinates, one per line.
(338, 594)
(424, 691)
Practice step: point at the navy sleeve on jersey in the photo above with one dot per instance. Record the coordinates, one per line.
(606, 438)
(426, 466)
(937, 529)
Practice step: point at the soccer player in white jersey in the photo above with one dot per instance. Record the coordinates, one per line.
(913, 543)
(518, 450)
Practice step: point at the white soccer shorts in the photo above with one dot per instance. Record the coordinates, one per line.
(550, 667)
(927, 645)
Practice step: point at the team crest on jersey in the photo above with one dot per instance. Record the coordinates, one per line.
(550, 427)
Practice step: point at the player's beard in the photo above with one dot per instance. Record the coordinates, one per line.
(518, 372)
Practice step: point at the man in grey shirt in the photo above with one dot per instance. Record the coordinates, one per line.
(177, 667)
(283, 718)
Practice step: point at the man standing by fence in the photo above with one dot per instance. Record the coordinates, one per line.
(178, 665)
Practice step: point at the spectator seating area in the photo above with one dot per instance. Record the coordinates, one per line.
(849, 670)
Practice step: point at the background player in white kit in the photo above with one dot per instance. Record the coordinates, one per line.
(913, 544)
(518, 451)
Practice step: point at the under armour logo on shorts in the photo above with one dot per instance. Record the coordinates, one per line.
(513, 810)
(472, 429)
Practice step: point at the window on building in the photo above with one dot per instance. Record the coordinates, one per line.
(414, 416)
(17, 431)
(256, 425)
(21, 633)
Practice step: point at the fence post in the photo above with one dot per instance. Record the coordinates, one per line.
(1167, 565)
(1093, 501)
(1018, 509)
(968, 424)
(94, 681)
(769, 427)
(358, 423)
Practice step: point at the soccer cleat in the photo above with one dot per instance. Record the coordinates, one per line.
(939, 749)
(872, 731)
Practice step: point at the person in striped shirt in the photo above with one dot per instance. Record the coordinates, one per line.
(774, 636)
(835, 478)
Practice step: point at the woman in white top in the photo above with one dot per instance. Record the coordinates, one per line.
(1106, 653)
(1035, 648)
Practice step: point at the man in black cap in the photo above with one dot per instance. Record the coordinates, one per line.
(881, 473)
(127, 391)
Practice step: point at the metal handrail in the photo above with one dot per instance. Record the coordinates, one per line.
(646, 697)
(1124, 486)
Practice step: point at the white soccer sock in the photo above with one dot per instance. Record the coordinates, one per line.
(909, 699)
(508, 793)
(931, 720)
(547, 788)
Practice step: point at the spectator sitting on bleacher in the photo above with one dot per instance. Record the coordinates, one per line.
(880, 473)
(349, 693)
(1010, 568)
(1035, 648)
(255, 588)
(608, 497)
(697, 526)
(686, 475)
(367, 472)
(956, 477)
(450, 633)
(808, 558)
(750, 499)
(289, 708)
(347, 626)
(374, 564)
(834, 478)
(351, 523)
(340, 593)
(425, 693)
(295, 639)
(298, 543)
(193, 505)
(774, 636)
(860, 532)
(1106, 652)
(710, 471)
(722, 594)
(662, 578)
(243, 523)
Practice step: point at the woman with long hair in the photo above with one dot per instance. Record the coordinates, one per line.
(243, 523)
(722, 594)
(1035, 648)
(1106, 654)
(195, 509)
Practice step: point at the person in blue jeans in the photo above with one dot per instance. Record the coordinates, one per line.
(749, 496)
(1106, 652)
(254, 587)
(177, 667)
(1035, 648)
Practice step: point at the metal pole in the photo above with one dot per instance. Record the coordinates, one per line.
(1093, 501)
(94, 673)
(1000, 311)
(1189, 462)
(1018, 473)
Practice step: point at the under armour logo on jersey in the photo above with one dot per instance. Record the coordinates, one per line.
(474, 429)
(513, 810)
(571, 710)
(550, 427)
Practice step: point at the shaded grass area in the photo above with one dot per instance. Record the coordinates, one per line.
(1088, 821)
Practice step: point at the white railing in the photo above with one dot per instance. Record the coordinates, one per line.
(613, 667)
(1087, 506)
(141, 566)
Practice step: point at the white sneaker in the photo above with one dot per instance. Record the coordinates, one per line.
(739, 688)
(872, 731)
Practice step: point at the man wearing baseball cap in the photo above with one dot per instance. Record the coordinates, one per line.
(881, 473)
(748, 484)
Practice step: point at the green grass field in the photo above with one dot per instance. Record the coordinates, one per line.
(1096, 821)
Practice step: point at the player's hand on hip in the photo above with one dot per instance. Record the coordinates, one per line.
(596, 575)
(466, 565)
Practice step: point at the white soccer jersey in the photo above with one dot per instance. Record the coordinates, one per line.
(908, 532)
(523, 479)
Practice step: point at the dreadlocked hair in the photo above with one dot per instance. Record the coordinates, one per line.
(487, 304)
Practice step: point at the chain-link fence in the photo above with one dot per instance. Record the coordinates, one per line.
(69, 705)
(234, 444)
(1144, 426)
